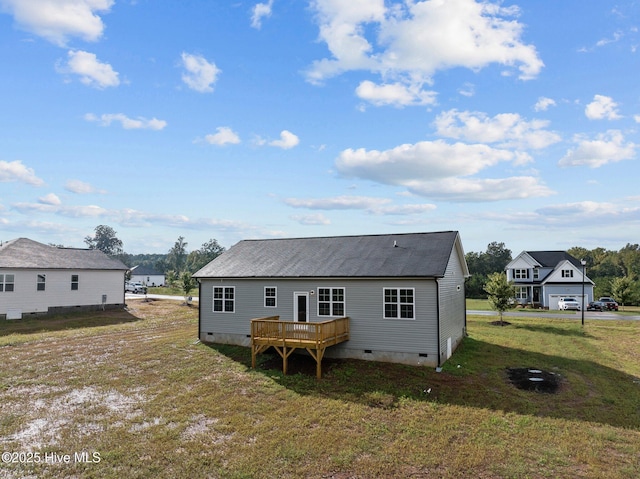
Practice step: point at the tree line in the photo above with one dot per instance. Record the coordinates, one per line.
(615, 273)
(178, 264)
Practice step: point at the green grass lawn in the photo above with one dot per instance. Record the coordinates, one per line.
(136, 388)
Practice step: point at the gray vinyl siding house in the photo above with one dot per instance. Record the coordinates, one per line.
(403, 293)
(38, 279)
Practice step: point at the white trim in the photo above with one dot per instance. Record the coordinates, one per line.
(398, 304)
(275, 296)
(332, 302)
(213, 302)
(296, 295)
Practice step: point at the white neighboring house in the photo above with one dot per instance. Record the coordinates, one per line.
(541, 278)
(40, 279)
(147, 276)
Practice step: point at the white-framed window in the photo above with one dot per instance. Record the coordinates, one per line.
(399, 303)
(42, 282)
(75, 282)
(567, 273)
(522, 292)
(7, 283)
(536, 273)
(270, 296)
(331, 302)
(520, 274)
(224, 299)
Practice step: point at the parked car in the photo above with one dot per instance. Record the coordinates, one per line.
(569, 303)
(597, 306)
(610, 302)
(135, 287)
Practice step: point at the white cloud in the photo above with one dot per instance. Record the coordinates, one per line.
(602, 107)
(200, 74)
(80, 187)
(287, 140)
(396, 94)
(605, 148)
(576, 215)
(224, 136)
(314, 220)
(544, 103)
(88, 211)
(50, 199)
(636, 118)
(507, 129)
(438, 169)
(473, 190)
(409, 43)
(16, 171)
(376, 206)
(338, 203)
(58, 20)
(586, 212)
(614, 38)
(260, 11)
(92, 72)
(468, 89)
(127, 123)
(129, 217)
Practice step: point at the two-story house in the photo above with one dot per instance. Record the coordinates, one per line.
(541, 278)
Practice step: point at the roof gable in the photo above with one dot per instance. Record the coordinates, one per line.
(576, 276)
(23, 253)
(391, 255)
(522, 261)
(550, 259)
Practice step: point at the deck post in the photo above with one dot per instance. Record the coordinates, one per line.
(286, 341)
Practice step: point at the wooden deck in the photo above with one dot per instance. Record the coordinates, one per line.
(287, 336)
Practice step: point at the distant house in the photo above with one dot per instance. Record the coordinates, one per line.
(147, 276)
(39, 279)
(403, 294)
(541, 278)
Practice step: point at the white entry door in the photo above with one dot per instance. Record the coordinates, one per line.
(301, 306)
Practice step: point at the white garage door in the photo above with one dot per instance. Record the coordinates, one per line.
(554, 298)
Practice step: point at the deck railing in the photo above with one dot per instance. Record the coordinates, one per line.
(325, 333)
(286, 336)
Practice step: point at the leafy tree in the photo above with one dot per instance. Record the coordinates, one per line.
(629, 260)
(105, 240)
(188, 283)
(171, 277)
(501, 292)
(497, 257)
(622, 290)
(203, 256)
(481, 265)
(177, 257)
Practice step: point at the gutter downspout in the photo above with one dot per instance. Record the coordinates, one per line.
(438, 316)
(464, 293)
(199, 309)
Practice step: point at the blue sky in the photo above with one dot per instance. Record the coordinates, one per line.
(507, 121)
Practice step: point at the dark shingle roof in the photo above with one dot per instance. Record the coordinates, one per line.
(415, 255)
(26, 253)
(550, 259)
